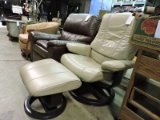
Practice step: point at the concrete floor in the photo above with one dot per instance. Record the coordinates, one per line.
(13, 92)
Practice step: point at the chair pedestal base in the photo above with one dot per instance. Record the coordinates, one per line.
(103, 95)
(53, 105)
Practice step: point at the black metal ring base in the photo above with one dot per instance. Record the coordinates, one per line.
(47, 115)
(102, 98)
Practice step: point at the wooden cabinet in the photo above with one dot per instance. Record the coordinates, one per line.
(142, 99)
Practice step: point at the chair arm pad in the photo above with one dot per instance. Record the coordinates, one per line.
(79, 48)
(117, 65)
(33, 36)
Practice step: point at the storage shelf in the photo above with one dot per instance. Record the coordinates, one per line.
(143, 96)
(129, 114)
(149, 67)
(150, 91)
(129, 6)
(129, 3)
(146, 102)
(144, 109)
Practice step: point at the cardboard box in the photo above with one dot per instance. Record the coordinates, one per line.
(144, 33)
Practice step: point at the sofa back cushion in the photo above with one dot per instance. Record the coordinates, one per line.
(47, 27)
(112, 39)
(81, 27)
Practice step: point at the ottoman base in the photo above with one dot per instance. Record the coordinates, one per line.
(53, 105)
(102, 92)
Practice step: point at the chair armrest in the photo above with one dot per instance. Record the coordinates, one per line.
(50, 30)
(56, 48)
(34, 36)
(117, 65)
(30, 30)
(79, 48)
(29, 27)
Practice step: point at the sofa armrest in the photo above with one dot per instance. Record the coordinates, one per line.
(46, 27)
(56, 48)
(50, 30)
(30, 30)
(79, 48)
(34, 36)
(117, 65)
(58, 42)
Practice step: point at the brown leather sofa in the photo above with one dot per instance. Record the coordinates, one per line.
(77, 28)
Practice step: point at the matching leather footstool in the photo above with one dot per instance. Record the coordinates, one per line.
(46, 80)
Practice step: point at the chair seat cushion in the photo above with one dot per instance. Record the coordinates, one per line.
(23, 38)
(86, 68)
(46, 77)
(40, 50)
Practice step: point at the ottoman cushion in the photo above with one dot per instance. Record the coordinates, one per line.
(46, 77)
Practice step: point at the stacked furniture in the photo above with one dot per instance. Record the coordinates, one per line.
(131, 5)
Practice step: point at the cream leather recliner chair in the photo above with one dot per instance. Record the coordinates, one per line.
(106, 59)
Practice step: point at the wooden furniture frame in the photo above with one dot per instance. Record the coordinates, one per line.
(142, 99)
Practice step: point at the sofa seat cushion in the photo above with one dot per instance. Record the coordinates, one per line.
(46, 77)
(84, 67)
(42, 43)
(40, 50)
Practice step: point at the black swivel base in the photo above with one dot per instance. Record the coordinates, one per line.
(53, 105)
(103, 94)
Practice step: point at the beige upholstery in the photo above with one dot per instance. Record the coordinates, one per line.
(47, 77)
(24, 43)
(81, 49)
(109, 52)
(46, 27)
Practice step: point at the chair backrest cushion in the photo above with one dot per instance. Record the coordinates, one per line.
(112, 39)
(47, 27)
(81, 27)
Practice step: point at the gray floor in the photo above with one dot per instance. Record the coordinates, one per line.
(13, 92)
